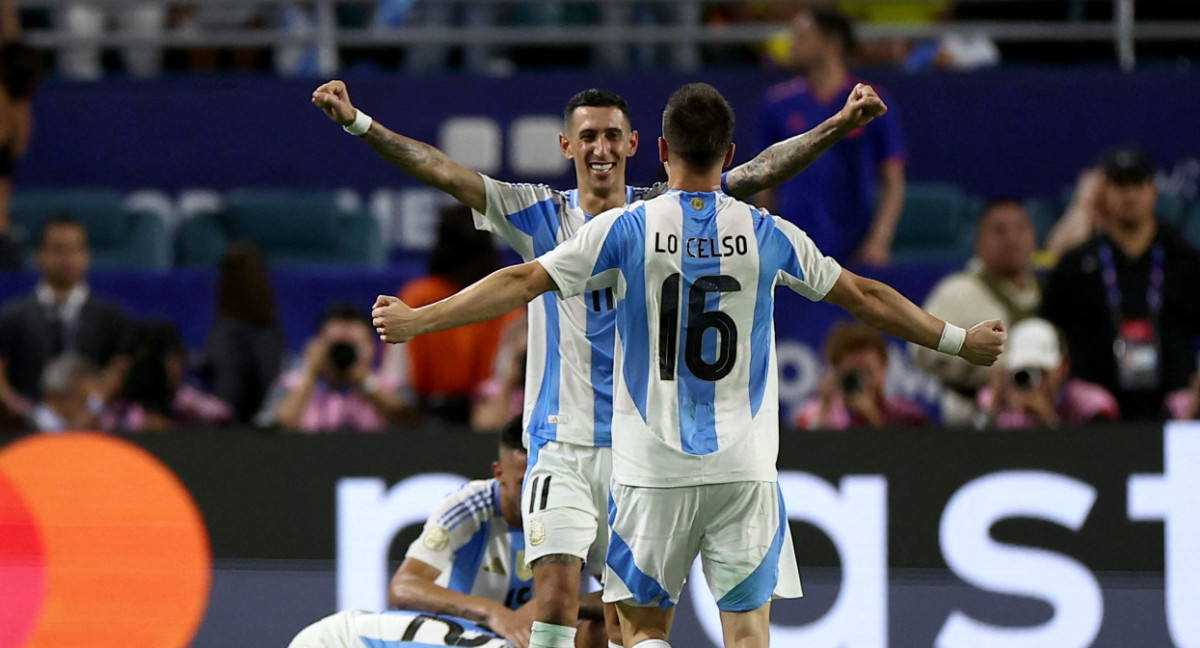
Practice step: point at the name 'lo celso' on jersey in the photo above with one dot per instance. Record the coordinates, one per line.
(696, 395)
(569, 362)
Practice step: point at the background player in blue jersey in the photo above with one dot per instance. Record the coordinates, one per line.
(696, 398)
(568, 411)
(849, 201)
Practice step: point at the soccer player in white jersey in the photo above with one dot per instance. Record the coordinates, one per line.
(469, 560)
(568, 409)
(695, 411)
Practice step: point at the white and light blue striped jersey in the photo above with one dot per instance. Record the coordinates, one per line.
(569, 362)
(467, 538)
(696, 398)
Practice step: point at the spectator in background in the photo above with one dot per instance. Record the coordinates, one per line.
(21, 69)
(1032, 386)
(849, 200)
(1081, 219)
(502, 397)
(1128, 300)
(155, 396)
(336, 388)
(61, 315)
(998, 284)
(446, 369)
(246, 343)
(87, 20)
(850, 393)
(68, 398)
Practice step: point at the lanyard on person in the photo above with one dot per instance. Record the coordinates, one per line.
(1113, 289)
(1136, 346)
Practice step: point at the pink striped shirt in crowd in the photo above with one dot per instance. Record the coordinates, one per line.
(331, 409)
(1078, 401)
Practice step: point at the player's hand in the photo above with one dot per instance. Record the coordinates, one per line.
(334, 100)
(984, 343)
(393, 319)
(862, 106)
(513, 626)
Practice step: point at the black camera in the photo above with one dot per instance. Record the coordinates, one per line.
(1027, 378)
(343, 355)
(853, 382)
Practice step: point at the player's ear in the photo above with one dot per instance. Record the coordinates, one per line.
(662, 150)
(496, 469)
(565, 145)
(729, 155)
(633, 143)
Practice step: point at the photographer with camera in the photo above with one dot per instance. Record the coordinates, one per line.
(1032, 385)
(337, 386)
(851, 390)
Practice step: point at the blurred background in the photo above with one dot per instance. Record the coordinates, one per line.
(188, 247)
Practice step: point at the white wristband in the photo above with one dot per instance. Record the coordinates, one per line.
(952, 339)
(361, 124)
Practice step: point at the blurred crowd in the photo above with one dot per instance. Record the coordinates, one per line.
(171, 36)
(1103, 318)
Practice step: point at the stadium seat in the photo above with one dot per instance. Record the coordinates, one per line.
(293, 228)
(1191, 224)
(935, 225)
(1171, 207)
(121, 236)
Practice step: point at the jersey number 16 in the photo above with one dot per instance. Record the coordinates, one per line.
(699, 321)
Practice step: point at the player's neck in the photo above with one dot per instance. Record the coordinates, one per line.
(594, 203)
(683, 178)
(827, 78)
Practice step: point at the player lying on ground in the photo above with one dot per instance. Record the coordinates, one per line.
(569, 389)
(695, 402)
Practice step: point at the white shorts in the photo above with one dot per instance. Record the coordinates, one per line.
(738, 529)
(565, 502)
(356, 629)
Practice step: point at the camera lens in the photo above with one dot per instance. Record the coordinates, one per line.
(852, 382)
(1026, 378)
(343, 355)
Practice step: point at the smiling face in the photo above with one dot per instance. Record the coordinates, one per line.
(599, 139)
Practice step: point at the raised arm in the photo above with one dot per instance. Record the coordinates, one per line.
(418, 159)
(782, 160)
(880, 306)
(501, 292)
(414, 588)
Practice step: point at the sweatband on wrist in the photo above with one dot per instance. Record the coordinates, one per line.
(952, 339)
(361, 124)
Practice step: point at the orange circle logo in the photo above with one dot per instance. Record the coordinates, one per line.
(100, 545)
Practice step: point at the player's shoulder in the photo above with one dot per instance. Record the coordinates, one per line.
(785, 90)
(474, 500)
(534, 188)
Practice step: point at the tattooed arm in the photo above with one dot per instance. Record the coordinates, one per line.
(418, 159)
(782, 160)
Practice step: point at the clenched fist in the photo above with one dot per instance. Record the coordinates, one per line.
(984, 343)
(862, 106)
(334, 100)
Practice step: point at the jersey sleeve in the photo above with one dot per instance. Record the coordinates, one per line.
(452, 524)
(800, 264)
(520, 214)
(589, 260)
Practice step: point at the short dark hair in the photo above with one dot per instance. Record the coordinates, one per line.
(344, 311)
(60, 220)
(597, 98)
(21, 69)
(462, 253)
(848, 337)
(832, 23)
(698, 125)
(511, 435)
